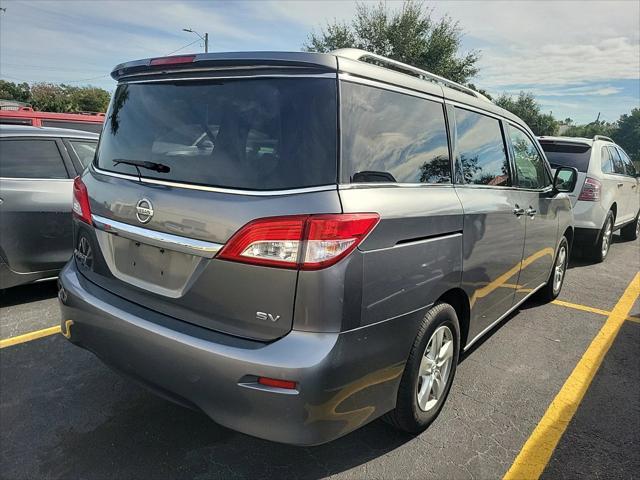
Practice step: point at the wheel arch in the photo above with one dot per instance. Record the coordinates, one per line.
(459, 300)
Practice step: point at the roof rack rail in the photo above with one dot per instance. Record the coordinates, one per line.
(357, 54)
(602, 137)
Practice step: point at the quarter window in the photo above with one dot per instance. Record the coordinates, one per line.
(530, 168)
(628, 164)
(481, 154)
(392, 137)
(84, 150)
(606, 161)
(31, 159)
(618, 166)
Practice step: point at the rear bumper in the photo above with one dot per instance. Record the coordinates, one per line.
(344, 379)
(589, 215)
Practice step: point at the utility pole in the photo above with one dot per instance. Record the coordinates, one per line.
(205, 39)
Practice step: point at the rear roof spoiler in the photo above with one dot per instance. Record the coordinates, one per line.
(603, 138)
(226, 60)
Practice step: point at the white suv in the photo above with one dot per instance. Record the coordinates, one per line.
(607, 194)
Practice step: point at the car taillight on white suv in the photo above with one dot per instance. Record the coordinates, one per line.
(306, 242)
(80, 206)
(590, 190)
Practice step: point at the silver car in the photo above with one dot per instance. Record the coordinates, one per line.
(297, 244)
(37, 167)
(606, 197)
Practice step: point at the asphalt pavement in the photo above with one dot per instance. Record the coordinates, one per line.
(63, 414)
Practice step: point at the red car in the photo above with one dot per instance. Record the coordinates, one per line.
(89, 122)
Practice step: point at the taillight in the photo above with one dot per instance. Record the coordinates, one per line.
(306, 242)
(176, 60)
(81, 207)
(590, 190)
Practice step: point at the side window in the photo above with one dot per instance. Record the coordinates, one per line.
(530, 168)
(606, 162)
(31, 159)
(392, 137)
(480, 150)
(84, 150)
(618, 166)
(629, 167)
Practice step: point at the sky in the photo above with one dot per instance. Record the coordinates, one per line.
(579, 58)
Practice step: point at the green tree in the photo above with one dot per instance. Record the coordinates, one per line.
(19, 92)
(627, 135)
(409, 34)
(49, 97)
(589, 130)
(89, 99)
(527, 108)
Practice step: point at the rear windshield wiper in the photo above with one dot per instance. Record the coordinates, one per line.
(158, 167)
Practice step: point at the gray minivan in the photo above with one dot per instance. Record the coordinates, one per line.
(298, 243)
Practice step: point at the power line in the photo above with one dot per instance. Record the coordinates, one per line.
(182, 48)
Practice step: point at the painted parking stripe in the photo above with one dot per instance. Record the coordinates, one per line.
(537, 450)
(27, 337)
(586, 308)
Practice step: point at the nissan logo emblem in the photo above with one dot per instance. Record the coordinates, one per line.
(144, 210)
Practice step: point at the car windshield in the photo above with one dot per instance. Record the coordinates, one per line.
(574, 155)
(257, 134)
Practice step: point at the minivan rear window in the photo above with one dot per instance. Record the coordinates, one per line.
(252, 134)
(574, 155)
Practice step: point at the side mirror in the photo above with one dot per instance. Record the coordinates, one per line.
(565, 179)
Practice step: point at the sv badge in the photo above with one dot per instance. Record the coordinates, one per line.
(267, 316)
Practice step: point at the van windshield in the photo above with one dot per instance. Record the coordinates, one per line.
(254, 134)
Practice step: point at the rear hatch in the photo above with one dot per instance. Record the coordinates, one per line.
(219, 152)
(569, 154)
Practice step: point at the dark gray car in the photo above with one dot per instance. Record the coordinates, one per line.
(299, 243)
(37, 167)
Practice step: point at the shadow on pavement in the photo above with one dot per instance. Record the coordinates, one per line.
(28, 293)
(74, 418)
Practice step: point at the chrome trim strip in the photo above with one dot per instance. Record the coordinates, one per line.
(509, 312)
(359, 185)
(257, 193)
(229, 77)
(158, 239)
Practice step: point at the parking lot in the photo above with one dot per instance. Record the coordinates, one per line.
(63, 414)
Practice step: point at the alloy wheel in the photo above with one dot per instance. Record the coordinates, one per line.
(606, 237)
(435, 368)
(560, 269)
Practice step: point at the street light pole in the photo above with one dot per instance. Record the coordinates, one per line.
(205, 39)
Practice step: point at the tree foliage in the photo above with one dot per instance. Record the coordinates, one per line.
(409, 34)
(19, 92)
(51, 97)
(528, 109)
(627, 135)
(589, 130)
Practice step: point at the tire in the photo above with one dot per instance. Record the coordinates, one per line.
(599, 251)
(631, 231)
(408, 415)
(553, 287)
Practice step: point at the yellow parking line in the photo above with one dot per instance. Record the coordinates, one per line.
(537, 450)
(584, 308)
(27, 337)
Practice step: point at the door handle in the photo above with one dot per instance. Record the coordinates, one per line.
(531, 212)
(518, 211)
(634, 186)
(620, 185)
